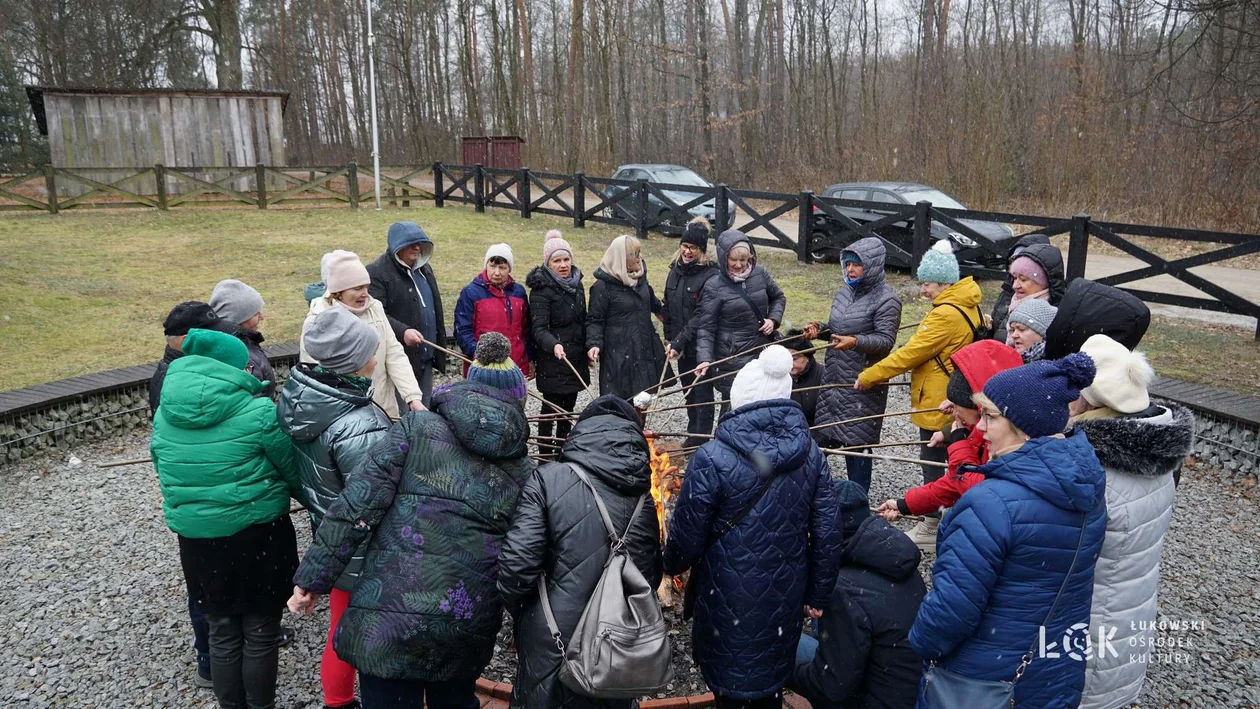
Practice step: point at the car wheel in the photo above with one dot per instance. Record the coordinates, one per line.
(820, 253)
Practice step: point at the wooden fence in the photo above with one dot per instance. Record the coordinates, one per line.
(647, 207)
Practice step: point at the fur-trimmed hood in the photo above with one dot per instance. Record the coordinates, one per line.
(1149, 447)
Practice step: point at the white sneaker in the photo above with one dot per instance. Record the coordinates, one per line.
(924, 534)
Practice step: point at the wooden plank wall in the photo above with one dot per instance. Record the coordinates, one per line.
(177, 130)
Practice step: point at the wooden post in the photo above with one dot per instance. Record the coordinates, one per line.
(393, 194)
(1078, 247)
(641, 199)
(922, 231)
(438, 199)
(406, 197)
(352, 184)
(522, 192)
(159, 172)
(721, 210)
(479, 188)
(805, 227)
(260, 176)
(50, 183)
(579, 200)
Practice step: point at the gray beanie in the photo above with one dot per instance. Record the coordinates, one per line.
(235, 302)
(1034, 314)
(339, 341)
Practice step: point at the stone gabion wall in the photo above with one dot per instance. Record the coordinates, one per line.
(92, 418)
(1228, 445)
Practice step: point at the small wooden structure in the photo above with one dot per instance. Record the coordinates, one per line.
(123, 129)
(498, 151)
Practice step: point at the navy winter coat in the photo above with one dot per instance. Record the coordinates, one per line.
(784, 554)
(1001, 557)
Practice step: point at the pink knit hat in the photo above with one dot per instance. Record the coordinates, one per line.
(1024, 266)
(553, 244)
(345, 270)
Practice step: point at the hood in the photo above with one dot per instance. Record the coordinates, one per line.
(542, 277)
(727, 241)
(608, 442)
(981, 360)
(882, 548)
(200, 392)
(1061, 470)
(171, 354)
(773, 434)
(404, 234)
(308, 406)
(1155, 444)
(486, 421)
(1090, 308)
(1050, 259)
(871, 253)
(965, 294)
(1024, 242)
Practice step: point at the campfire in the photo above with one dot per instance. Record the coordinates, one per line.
(666, 481)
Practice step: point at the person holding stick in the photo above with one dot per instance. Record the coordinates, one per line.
(949, 326)
(739, 309)
(557, 306)
(865, 314)
(688, 274)
(619, 330)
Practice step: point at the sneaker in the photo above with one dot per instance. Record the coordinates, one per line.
(202, 678)
(286, 635)
(924, 534)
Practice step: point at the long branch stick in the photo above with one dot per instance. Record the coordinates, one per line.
(911, 412)
(120, 463)
(449, 352)
(579, 378)
(893, 444)
(544, 401)
(741, 353)
(849, 386)
(553, 417)
(910, 325)
(932, 463)
(659, 434)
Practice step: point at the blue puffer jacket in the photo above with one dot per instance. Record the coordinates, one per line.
(1002, 554)
(756, 579)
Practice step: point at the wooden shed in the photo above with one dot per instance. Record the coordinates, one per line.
(138, 128)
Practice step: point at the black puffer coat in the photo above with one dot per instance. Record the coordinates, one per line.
(159, 376)
(392, 284)
(871, 313)
(557, 316)
(727, 324)
(1090, 308)
(619, 323)
(682, 301)
(557, 531)
(1050, 259)
(809, 377)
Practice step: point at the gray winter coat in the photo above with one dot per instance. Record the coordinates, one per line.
(727, 323)
(871, 313)
(332, 429)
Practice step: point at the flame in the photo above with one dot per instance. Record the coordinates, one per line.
(666, 481)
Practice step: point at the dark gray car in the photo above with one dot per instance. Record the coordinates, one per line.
(666, 175)
(830, 237)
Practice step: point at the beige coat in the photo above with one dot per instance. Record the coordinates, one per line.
(393, 377)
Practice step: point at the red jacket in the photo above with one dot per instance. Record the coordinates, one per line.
(485, 308)
(978, 362)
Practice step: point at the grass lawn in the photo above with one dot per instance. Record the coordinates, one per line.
(84, 292)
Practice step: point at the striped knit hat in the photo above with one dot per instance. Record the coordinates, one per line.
(493, 366)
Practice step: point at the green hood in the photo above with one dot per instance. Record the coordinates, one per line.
(200, 392)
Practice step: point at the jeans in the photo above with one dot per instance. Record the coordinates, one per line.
(699, 418)
(201, 629)
(774, 701)
(932, 473)
(379, 693)
(859, 469)
(562, 425)
(245, 659)
(424, 378)
(806, 649)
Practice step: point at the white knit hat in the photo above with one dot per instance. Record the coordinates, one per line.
(503, 251)
(767, 377)
(1122, 377)
(344, 270)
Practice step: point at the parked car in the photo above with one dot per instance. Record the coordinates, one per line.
(667, 175)
(828, 238)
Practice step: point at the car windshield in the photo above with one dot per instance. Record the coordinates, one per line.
(680, 176)
(936, 197)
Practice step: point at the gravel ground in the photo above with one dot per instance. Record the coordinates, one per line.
(95, 612)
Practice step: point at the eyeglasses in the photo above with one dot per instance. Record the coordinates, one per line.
(689, 247)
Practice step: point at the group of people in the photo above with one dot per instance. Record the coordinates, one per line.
(1049, 476)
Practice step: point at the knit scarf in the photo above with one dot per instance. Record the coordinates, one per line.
(357, 311)
(1034, 353)
(742, 275)
(353, 382)
(1016, 299)
(570, 284)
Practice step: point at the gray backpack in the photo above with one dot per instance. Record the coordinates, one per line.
(620, 648)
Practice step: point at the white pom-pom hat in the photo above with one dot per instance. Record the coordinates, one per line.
(767, 377)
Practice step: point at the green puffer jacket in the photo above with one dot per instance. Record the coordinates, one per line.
(332, 427)
(436, 498)
(221, 458)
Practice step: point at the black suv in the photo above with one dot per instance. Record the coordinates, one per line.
(668, 175)
(828, 238)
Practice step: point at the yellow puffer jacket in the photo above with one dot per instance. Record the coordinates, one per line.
(943, 332)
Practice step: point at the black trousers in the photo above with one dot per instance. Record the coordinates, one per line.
(774, 701)
(699, 418)
(245, 659)
(562, 425)
(931, 473)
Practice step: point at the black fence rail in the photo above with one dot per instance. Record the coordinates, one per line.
(812, 226)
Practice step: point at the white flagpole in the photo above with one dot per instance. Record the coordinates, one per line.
(376, 145)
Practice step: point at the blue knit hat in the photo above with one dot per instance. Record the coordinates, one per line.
(493, 366)
(1035, 397)
(939, 265)
(853, 503)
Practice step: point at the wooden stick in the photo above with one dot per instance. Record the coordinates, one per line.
(449, 352)
(911, 412)
(548, 403)
(741, 353)
(910, 325)
(836, 451)
(894, 444)
(552, 417)
(911, 518)
(657, 434)
(545, 438)
(579, 378)
(120, 463)
(849, 386)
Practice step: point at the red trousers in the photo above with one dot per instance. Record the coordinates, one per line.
(336, 677)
